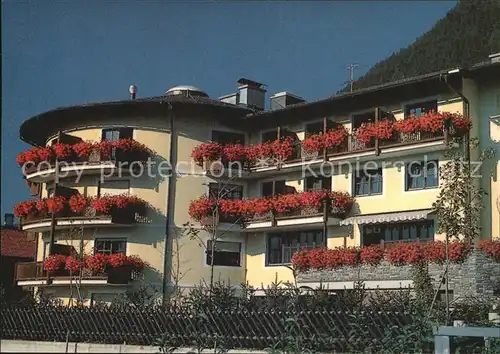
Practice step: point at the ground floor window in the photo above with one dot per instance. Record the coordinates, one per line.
(225, 253)
(282, 246)
(110, 246)
(393, 232)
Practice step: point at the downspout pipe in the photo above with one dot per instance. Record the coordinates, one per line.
(467, 135)
(167, 252)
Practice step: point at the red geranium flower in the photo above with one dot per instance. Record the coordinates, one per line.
(54, 262)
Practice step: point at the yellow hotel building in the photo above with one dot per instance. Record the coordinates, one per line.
(390, 205)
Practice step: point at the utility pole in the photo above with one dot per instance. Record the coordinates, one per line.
(351, 75)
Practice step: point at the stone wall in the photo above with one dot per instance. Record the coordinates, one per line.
(478, 275)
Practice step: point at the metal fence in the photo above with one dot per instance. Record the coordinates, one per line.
(321, 330)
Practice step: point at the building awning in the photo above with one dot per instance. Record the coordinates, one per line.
(387, 217)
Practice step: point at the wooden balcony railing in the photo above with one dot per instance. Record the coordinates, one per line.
(353, 145)
(95, 156)
(30, 271)
(119, 216)
(33, 271)
(295, 214)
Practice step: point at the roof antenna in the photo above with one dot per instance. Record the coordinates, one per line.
(351, 75)
(133, 91)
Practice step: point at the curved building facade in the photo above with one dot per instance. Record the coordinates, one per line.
(162, 129)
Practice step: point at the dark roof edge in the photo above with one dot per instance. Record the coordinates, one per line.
(175, 100)
(388, 85)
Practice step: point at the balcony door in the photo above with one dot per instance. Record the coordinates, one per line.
(359, 119)
(115, 134)
(227, 137)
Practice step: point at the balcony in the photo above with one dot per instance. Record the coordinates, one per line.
(106, 211)
(38, 164)
(34, 274)
(306, 209)
(388, 138)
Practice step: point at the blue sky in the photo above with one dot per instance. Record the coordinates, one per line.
(64, 53)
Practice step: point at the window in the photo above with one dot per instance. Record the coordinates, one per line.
(359, 119)
(271, 135)
(368, 182)
(114, 188)
(418, 109)
(421, 175)
(231, 192)
(317, 127)
(228, 137)
(318, 183)
(392, 232)
(114, 134)
(46, 248)
(268, 190)
(282, 246)
(110, 246)
(225, 253)
(314, 128)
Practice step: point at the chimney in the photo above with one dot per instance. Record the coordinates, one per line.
(251, 94)
(495, 58)
(9, 220)
(284, 99)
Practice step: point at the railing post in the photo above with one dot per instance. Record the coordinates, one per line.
(325, 150)
(377, 142)
(273, 219)
(325, 218)
(442, 344)
(382, 245)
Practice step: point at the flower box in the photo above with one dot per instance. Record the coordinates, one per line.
(265, 209)
(119, 275)
(400, 254)
(127, 150)
(121, 208)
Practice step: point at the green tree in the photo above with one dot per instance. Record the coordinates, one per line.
(460, 200)
(466, 35)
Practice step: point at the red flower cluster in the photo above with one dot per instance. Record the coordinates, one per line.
(207, 151)
(25, 208)
(77, 204)
(278, 149)
(383, 130)
(109, 203)
(332, 138)
(74, 264)
(432, 122)
(35, 155)
(491, 248)
(54, 263)
(403, 253)
(39, 207)
(434, 252)
(70, 153)
(372, 255)
(341, 203)
(324, 258)
(96, 264)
